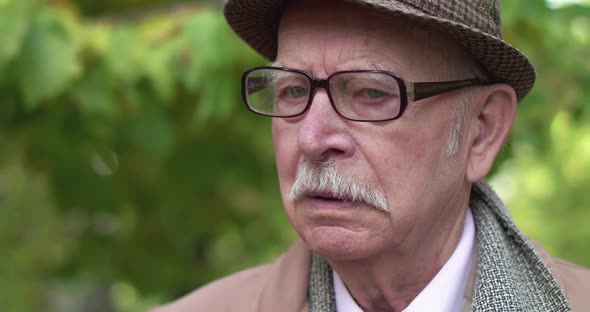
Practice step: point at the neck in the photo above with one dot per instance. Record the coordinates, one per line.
(391, 280)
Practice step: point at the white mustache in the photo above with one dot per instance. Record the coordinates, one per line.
(320, 177)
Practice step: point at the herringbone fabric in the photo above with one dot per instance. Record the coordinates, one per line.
(321, 288)
(510, 274)
(475, 24)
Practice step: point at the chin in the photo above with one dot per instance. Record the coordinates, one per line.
(339, 243)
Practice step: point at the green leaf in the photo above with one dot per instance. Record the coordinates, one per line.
(120, 55)
(149, 131)
(160, 70)
(13, 24)
(205, 50)
(48, 60)
(94, 93)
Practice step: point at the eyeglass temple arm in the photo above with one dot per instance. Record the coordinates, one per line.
(422, 90)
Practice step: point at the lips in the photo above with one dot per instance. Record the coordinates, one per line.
(327, 200)
(326, 195)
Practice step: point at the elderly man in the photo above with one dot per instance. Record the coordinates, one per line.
(387, 115)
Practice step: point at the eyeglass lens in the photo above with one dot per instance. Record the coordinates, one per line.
(355, 95)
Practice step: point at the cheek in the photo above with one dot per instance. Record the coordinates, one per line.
(404, 164)
(397, 154)
(286, 154)
(400, 163)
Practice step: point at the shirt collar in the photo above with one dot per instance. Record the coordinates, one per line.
(444, 292)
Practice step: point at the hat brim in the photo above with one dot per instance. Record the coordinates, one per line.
(256, 22)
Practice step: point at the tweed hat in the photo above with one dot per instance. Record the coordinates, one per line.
(475, 24)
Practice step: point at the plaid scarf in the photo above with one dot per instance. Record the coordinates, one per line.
(510, 275)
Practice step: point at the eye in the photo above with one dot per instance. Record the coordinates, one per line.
(296, 92)
(371, 95)
(375, 94)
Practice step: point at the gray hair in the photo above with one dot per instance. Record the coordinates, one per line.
(454, 139)
(461, 108)
(325, 177)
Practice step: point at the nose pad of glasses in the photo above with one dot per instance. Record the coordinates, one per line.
(320, 100)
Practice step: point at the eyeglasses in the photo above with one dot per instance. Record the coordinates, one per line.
(358, 95)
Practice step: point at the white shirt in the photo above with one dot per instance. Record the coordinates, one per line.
(445, 291)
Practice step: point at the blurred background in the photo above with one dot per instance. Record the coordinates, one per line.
(131, 173)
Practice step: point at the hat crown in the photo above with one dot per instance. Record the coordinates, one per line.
(483, 15)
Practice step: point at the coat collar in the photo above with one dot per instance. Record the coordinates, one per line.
(287, 281)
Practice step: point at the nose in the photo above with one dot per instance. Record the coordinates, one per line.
(323, 133)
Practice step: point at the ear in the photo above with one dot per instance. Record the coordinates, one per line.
(494, 109)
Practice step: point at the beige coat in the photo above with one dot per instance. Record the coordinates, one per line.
(282, 286)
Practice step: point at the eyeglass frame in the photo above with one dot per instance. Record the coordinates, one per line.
(419, 90)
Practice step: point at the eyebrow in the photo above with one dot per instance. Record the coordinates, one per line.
(373, 66)
(275, 64)
(274, 77)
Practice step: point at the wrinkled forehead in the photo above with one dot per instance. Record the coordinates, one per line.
(336, 34)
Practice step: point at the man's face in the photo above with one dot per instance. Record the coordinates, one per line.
(405, 159)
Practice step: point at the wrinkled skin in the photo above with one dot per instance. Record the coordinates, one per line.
(384, 258)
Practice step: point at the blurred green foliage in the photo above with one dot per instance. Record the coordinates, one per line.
(130, 173)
